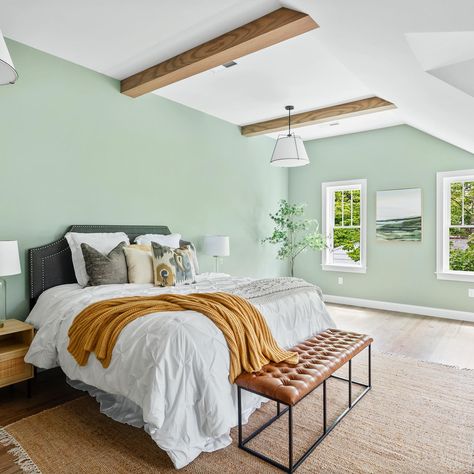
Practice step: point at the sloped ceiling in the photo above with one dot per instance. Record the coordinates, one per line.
(390, 49)
(449, 56)
(369, 38)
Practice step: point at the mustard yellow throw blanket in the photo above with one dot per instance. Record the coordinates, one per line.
(250, 341)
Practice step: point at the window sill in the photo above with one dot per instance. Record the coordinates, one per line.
(344, 268)
(455, 276)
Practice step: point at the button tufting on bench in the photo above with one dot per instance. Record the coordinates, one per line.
(319, 357)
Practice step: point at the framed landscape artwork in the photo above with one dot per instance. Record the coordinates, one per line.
(399, 215)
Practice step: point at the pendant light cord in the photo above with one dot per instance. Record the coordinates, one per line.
(289, 108)
(289, 122)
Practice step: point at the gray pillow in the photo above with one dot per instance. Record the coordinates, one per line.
(105, 269)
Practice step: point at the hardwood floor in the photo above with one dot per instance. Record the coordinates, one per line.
(444, 341)
(49, 390)
(422, 337)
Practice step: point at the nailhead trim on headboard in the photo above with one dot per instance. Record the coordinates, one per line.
(50, 265)
(33, 262)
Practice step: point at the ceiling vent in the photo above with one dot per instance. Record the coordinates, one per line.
(229, 64)
(224, 66)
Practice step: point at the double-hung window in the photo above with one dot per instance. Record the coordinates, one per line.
(455, 225)
(345, 225)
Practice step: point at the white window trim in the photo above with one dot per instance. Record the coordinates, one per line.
(443, 217)
(327, 212)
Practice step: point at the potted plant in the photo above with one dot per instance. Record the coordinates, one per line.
(293, 233)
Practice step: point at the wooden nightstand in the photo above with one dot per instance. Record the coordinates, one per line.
(15, 340)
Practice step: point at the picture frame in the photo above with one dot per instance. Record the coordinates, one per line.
(399, 215)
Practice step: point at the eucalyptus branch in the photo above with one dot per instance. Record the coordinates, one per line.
(299, 251)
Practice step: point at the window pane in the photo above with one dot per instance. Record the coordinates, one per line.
(356, 207)
(338, 208)
(347, 208)
(469, 203)
(456, 203)
(346, 250)
(461, 249)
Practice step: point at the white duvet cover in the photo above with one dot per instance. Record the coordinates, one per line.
(169, 371)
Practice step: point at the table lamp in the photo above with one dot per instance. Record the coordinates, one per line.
(217, 246)
(9, 265)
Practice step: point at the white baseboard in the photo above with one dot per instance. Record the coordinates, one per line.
(401, 308)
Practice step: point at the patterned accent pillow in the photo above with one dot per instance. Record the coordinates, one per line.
(190, 250)
(171, 266)
(107, 269)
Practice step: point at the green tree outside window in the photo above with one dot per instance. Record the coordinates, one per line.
(461, 229)
(346, 233)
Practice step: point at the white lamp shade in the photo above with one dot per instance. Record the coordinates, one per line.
(9, 258)
(289, 151)
(216, 245)
(8, 74)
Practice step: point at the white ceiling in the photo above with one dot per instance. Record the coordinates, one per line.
(361, 49)
(434, 50)
(368, 37)
(361, 123)
(449, 56)
(298, 72)
(459, 75)
(118, 38)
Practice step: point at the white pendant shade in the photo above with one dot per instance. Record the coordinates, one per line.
(8, 74)
(289, 151)
(9, 258)
(216, 245)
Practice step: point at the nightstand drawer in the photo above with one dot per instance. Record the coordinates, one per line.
(14, 370)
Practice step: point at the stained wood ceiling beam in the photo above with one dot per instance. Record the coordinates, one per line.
(277, 26)
(326, 114)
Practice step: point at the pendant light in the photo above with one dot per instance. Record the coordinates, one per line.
(289, 149)
(8, 74)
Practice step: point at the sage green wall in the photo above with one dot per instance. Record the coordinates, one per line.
(391, 158)
(73, 150)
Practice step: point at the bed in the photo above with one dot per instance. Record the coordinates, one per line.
(169, 371)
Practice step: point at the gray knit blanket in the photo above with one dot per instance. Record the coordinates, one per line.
(267, 290)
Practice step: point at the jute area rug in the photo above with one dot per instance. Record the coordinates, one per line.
(418, 418)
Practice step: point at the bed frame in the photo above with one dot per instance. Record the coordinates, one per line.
(51, 265)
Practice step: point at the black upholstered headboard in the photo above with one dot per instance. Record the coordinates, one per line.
(51, 265)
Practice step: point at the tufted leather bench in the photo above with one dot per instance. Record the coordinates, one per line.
(319, 357)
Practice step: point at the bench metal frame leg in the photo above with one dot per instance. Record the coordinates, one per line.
(292, 466)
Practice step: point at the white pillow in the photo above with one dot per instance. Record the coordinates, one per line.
(103, 242)
(139, 264)
(170, 240)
